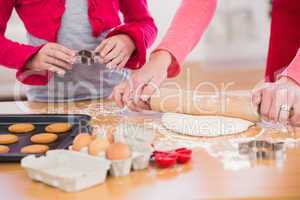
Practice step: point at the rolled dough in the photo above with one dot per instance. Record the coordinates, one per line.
(204, 126)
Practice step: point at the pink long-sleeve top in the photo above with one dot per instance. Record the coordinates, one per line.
(193, 17)
(189, 24)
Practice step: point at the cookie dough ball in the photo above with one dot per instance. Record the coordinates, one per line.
(8, 139)
(58, 128)
(4, 149)
(81, 140)
(35, 149)
(44, 138)
(118, 151)
(21, 128)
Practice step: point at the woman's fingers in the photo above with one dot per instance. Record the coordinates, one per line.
(256, 97)
(288, 98)
(277, 100)
(295, 118)
(267, 95)
(118, 93)
(151, 87)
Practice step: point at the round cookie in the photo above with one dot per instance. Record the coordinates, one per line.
(58, 127)
(43, 138)
(8, 139)
(21, 128)
(34, 149)
(4, 149)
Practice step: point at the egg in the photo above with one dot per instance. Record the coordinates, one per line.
(110, 134)
(97, 146)
(82, 140)
(118, 151)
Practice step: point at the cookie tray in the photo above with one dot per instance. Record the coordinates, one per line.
(80, 124)
(67, 170)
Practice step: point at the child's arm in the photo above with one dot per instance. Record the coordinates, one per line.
(32, 63)
(13, 54)
(138, 30)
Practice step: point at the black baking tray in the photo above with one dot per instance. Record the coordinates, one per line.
(81, 123)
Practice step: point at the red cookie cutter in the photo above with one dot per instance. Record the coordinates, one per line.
(165, 159)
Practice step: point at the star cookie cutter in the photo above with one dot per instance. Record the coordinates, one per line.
(262, 150)
(87, 57)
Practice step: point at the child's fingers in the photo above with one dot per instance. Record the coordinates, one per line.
(123, 63)
(116, 61)
(58, 63)
(107, 48)
(101, 46)
(60, 55)
(113, 54)
(54, 68)
(63, 49)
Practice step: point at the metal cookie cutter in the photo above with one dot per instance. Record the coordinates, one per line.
(87, 57)
(262, 150)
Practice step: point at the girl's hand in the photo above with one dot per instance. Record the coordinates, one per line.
(142, 84)
(115, 51)
(52, 57)
(279, 101)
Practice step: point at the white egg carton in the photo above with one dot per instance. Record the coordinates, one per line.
(67, 170)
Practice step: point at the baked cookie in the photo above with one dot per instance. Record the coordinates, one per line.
(21, 128)
(58, 128)
(44, 138)
(4, 149)
(34, 149)
(8, 139)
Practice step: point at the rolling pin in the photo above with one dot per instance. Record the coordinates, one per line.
(231, 104)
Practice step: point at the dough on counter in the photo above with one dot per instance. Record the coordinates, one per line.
(8, 139)
(4, 149)
(34, 149)
(44, 138)
(21, 128)
(58, 128)
(204, 126)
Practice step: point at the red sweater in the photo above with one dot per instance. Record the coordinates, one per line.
(42, 19)
(284, 41)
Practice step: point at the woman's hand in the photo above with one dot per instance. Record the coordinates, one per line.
(115, 51)
(52, 57)
(279, 101)
(142, 84)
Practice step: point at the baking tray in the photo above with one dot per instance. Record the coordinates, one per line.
(80, 124)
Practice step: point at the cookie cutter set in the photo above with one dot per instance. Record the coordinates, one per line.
(87, 57)
(262, 150)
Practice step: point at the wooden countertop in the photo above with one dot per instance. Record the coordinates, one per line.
(206, 177)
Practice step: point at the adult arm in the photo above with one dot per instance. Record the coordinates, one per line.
(187, 28)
